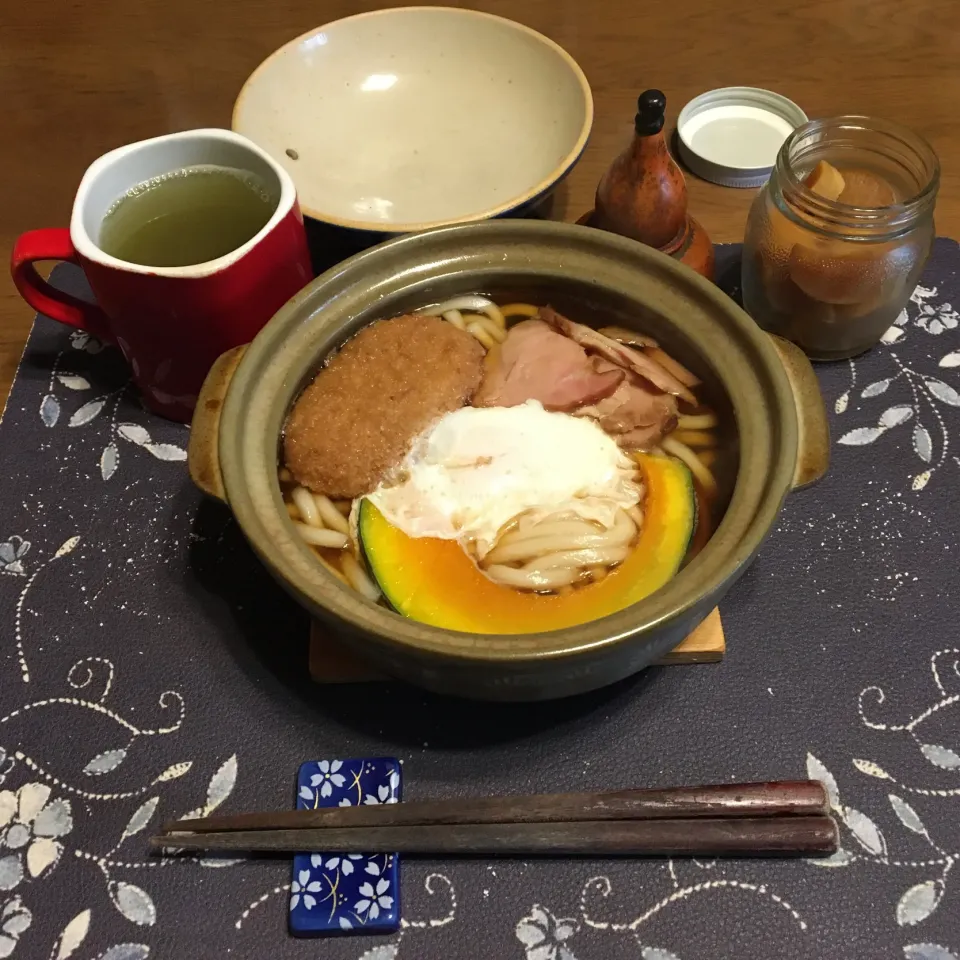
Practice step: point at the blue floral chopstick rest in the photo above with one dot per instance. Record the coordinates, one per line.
(354, 893)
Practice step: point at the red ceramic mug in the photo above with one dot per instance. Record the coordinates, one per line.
(171, 323)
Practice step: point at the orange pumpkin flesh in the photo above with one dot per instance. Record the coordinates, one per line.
(435, 582)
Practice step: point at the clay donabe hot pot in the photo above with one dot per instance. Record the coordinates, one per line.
(765, 388)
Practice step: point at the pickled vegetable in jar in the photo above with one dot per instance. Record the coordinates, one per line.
(837, 239)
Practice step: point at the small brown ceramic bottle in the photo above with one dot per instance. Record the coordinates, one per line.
(643, 194)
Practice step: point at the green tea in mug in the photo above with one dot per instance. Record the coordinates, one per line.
(187, 216)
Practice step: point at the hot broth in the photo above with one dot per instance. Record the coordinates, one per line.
(611, 391)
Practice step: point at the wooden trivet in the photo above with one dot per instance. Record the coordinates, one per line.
(331, 662)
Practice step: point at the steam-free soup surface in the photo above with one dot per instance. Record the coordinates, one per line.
(187, 217)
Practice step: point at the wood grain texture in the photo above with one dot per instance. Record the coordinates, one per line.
(774, 836)
(725, 800)
(81, 78)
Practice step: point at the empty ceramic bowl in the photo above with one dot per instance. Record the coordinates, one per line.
(400, 120)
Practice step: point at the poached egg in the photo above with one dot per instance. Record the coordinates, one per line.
(478, 468)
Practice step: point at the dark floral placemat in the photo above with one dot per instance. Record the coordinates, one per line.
(150, 668)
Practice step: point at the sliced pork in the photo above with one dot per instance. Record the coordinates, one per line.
(536, 362)
(620, 354)
(575, 369)
(635, 415)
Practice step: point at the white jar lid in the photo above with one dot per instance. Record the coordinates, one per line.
(731, 136)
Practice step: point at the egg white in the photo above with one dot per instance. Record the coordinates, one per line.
(478, 468)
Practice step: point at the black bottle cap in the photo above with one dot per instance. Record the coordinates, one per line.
(651, 106)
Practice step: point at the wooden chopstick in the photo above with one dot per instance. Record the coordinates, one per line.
(741, 836)
(781, 798)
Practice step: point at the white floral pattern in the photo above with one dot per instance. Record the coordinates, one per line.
(304, 887)
(12, 552)
(382, 796)
(374, 899)
(327, 778)
(15, 920)
(137, 755)
(31, 823)
(37, 815)
(926, 401)
(934, 318)
(543, 935)
(928, 951)
(344, 864)
(90, 410)
(921, 898)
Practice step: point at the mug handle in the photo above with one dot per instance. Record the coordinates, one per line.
(53, 243)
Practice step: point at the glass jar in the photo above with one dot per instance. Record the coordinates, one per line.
(832, 274)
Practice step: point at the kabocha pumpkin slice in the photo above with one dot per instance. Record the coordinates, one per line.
(435, 582)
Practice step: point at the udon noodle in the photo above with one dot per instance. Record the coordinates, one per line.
(553, 553)
(558, 551)
(325, 526)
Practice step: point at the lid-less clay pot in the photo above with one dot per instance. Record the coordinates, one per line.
(594, 276)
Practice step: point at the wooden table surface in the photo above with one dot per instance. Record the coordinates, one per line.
(79, 78)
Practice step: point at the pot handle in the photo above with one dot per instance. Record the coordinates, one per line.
(203, 451)
(813, 445)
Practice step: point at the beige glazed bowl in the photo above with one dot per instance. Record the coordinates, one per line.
(767, 388)
(405, 119)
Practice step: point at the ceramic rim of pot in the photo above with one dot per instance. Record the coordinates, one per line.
(401, 274)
